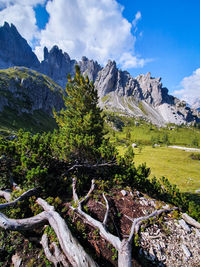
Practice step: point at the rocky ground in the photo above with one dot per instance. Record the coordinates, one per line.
(164, 241)
(168, 240)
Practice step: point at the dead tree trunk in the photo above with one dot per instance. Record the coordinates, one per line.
(71, 248)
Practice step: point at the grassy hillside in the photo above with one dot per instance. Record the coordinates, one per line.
(174, 164)
(129, 130)
(39, 121)
(27, 99)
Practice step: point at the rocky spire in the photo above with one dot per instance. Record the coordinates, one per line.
(14, 50)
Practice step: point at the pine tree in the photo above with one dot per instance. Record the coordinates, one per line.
(81, 124)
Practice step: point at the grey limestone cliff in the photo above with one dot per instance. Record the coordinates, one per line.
(14, 50)
(57, 65)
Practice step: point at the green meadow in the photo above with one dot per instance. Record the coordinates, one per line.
(174, 164)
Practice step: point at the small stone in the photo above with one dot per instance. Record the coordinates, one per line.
(184, 225)
(151, 254)
(197, 233)
(16, 260)
(134, 145)
(124, 193)
(162, 244)
(186, 251)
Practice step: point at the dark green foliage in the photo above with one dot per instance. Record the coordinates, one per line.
(195, 141)
(81, 124)
(195, 156)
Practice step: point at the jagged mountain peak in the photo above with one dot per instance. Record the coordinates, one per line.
(14, 49)
(143, 96)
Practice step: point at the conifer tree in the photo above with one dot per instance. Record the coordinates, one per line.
(81, 124)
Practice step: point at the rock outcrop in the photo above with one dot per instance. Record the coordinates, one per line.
(25, 90)
(196, 104)
(57, 65)
(14, 50)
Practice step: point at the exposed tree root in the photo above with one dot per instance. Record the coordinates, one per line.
(25, 195)
(124, 246)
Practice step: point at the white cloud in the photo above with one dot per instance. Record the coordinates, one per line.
(138, 16)
(127, 60)
(93, 28)
(190, 87)
(22, 15)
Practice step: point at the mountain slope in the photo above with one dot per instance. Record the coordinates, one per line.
(24, 92)
(14, 50)
(142, 97)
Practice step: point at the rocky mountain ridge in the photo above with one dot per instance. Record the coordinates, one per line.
(142, 97)
(196, 104)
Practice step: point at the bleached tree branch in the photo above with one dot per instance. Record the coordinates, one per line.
(114, 240)
(89, 192)
(45, 245)
(59, 255)
(25, 195)
(89, 166)
(107, 211)
(22, 224)
(70, 246)
(139, 221)
(5, 194)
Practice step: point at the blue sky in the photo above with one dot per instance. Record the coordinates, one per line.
(160, 36)
(171, 36)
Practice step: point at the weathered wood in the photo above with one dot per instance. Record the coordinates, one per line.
(23, 224)
(5, 194)
(89, 166)
(114, 240)
(123, 247)
(107, 211)
(89, 192)
(125, 254)
(50, 257)
(190, 220)
(25, 195)
(59, 255)
(70, 246)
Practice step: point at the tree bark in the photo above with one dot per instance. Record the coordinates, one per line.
(125, 254)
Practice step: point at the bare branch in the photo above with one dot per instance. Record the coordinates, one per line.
(70, 246)
(6, 195)
(89, 166)
(89, 192)
(107, 211)
(50, 257)
(114, 240)
(25, 195)
(75, 196)
(137, 222)
(59, 255)
(190, 220)
(23, 224)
